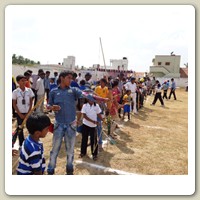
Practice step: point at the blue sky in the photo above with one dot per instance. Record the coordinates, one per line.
(50, 33)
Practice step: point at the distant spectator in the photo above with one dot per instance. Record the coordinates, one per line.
(173, 88)
(73, 82)
(40, 91)
(52, 84)
(79, 78)
(56, 78)
(88, 77)
(47, 85)
(82, 85)
(34, 78)
(28, 82)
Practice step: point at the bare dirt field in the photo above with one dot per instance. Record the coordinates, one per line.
(154, 142)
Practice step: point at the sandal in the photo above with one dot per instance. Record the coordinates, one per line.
(94, 158)
(81, 155)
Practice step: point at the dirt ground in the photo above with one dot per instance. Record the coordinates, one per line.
(154, 142)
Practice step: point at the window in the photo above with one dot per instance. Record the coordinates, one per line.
(159, 63)
(167, 63)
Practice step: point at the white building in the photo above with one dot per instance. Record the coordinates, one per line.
(166, 66)
(69, 62)
(120, 64)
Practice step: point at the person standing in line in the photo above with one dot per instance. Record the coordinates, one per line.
(101, 91)
(127, 103)
(34, 78)
(62, 100)
(132, 86)
(158, 94)
(47, 85)
(90, 111)
(22, 99)
(40, 91)
(173, 88)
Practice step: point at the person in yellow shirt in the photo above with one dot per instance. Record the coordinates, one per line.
(127, 103)
(102, 91)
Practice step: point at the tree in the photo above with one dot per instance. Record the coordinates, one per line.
(20, 60)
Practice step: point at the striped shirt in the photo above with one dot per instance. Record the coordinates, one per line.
(31, 157)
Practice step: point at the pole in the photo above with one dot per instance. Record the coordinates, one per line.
(103, 54)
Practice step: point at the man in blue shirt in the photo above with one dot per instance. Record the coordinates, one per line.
(62, 100)
(173, 88)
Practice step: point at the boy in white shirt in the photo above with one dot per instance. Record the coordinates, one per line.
(132, 86)
(22, 99)
(90, 111)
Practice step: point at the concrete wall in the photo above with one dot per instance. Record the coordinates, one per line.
(115, 63)
(174, 62)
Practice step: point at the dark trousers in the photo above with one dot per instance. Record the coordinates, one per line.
(165, 94)
(13, 112)
(172, 92)
(158, 96)
(47, 94)
(35, 93)
(92, 132)
(21, 133)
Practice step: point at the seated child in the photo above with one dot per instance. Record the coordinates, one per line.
(31, 160)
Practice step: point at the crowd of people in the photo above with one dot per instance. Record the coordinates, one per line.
(76, 101)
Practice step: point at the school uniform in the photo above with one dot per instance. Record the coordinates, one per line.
(23, 104)
(89, 128)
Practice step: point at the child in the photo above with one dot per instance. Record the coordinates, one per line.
(22, 102)
(165, 88)
(82, 85)
(90, 112)
(158, 94)
(31, 161)
(52, 84)
(127, 103)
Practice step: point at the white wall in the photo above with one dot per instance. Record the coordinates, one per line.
(115, 63)
(16, 70)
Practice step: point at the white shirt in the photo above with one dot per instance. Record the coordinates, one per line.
(40, 87)
(91, 111)
(131, 86)
(34, 78)
(19, 95)
(78, 79)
